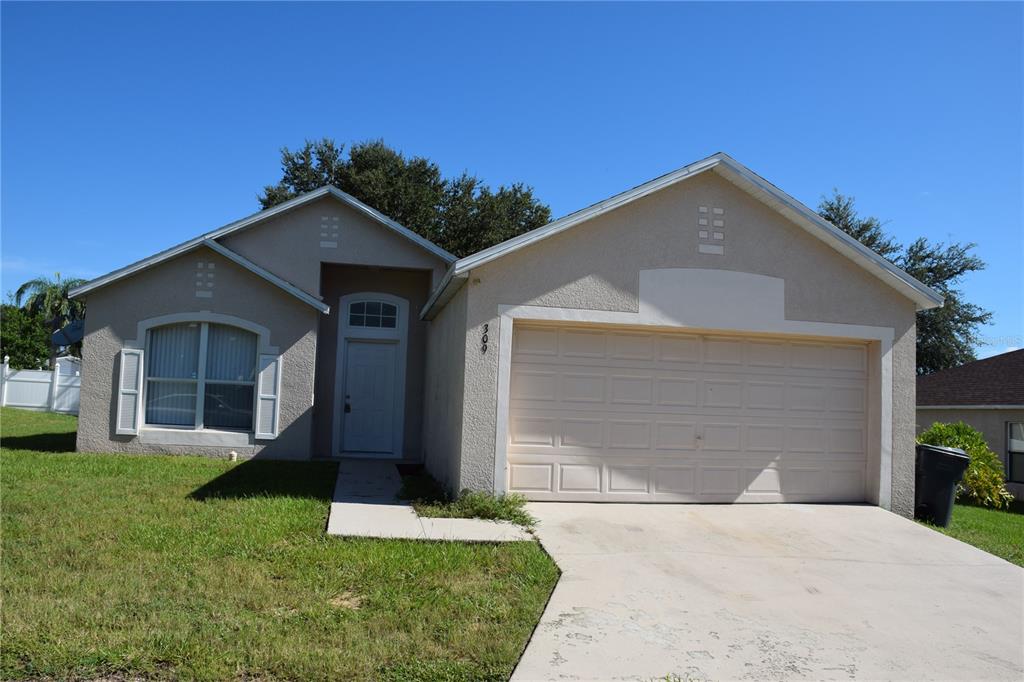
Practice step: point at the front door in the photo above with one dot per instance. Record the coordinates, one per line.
(369, 399)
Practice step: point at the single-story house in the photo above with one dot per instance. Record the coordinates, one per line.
(702, 337)
(988, 395)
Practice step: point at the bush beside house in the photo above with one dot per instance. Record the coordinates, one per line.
(984, 482)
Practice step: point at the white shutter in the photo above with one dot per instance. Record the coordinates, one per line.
(129, 392)
(268, 396)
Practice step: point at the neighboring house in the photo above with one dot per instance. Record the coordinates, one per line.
(702, 337)
(988, 395)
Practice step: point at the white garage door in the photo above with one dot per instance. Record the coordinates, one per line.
(616, 415)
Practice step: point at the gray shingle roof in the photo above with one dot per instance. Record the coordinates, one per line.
(998, 380)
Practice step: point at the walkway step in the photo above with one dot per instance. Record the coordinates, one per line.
(366, 505)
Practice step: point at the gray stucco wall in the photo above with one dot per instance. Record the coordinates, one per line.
(413, 286)
(596, 266)
(113, 313)
(443, 398)
(289, 244)
(991, 423)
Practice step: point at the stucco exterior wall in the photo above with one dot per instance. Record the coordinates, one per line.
(596, 266)
(413, 286)
(991, 423)
(112, 317)
(289, 244)
(443, 398)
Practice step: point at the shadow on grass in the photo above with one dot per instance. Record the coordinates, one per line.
(267, 478)
(41, 442)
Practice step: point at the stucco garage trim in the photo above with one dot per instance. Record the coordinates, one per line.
(752, 304)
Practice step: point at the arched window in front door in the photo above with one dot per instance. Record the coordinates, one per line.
(372, 314)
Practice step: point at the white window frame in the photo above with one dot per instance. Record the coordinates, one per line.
(162, 434)
(398, 335)
(1010, 452)
(200, 381)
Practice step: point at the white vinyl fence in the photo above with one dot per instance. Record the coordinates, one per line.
(36, 389)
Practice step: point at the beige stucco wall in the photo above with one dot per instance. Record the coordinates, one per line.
(289, 244)
(414, 287)
(113, 313)
(596, 266)
(991, 423)
(443, 398)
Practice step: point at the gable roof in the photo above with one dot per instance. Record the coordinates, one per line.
(994, 381)
(925, 297)
(255, 219)
(238, 258)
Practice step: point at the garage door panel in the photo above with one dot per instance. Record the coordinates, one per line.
(631, 346)
(678, 349)
(533, 385)
(677, 391)
(629, 389)
(582, 387)
(610, 431)
(722, 351)
(579, 478)
(673, 435)
(583, 344)
(629, 480)
(635, 416)
(537, 342)
(582, 433)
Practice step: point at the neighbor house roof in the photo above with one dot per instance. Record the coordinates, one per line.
(997, 381)
(254, 219)
(723, 164)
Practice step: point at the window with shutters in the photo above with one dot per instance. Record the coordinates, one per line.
(200, 375)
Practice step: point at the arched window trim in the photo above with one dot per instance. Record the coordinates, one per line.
(209, 436)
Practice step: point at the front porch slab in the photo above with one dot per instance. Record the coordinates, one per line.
(366, 505)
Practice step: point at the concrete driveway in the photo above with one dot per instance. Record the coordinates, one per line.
(769, 592)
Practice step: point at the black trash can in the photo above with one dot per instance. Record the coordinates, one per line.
(937, 472)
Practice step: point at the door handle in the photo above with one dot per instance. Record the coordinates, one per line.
(348, 408)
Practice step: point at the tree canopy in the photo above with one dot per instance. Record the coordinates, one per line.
(946, 336)
(46, 301)
(461, 214)
(23, 337)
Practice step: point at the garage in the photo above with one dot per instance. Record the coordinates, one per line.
(619, 414)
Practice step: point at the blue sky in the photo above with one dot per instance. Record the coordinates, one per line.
(127, 128)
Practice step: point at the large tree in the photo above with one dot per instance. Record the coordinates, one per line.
(47, 299)
(946, 336)
(460, 214)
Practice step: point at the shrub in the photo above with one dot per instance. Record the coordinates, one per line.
(984, 482)
(429, 498)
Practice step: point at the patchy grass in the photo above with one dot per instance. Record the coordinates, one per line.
(430, 499)
(999, 532)
(190, 568)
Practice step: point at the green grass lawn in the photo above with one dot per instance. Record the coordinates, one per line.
(999, 532)
(184, 567)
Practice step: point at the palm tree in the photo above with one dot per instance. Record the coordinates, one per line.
(49, 298)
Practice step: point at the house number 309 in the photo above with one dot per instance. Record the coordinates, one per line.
(483, 339)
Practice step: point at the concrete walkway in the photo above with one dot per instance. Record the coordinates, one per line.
(366, 505)
(769, 592)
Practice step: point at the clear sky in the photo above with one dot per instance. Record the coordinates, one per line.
(127, 128)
